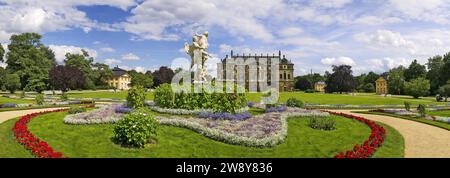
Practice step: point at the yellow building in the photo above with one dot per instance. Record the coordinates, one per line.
(381, 86)
(121, 79)
(320, 86)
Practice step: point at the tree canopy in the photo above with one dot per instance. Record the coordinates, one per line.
(414, 71)
(417, 87)
(66, 77)
(341, 80)
(29, 59)
(163, 75)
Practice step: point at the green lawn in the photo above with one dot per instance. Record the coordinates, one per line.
(417, 119)
(95, 141)
(439, 113)
(313, 98)
(4, 100)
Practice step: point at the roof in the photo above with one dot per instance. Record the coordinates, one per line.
(117, 72)
(320, 83)
(381, 79)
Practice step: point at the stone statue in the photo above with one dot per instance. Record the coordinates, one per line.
(200, 46)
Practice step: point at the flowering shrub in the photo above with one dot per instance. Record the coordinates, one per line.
(251, 104)
(8, 105)
(396, 111)
(439, 119)
(38, 148)
(368, 148)
(123, 110)
(227, 116)
(39, 99)
(322, 123)
(276, 109)
(135, 129)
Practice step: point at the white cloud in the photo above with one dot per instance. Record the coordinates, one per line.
(112, 61)
(338, 61)
(140, 69)
(291, 31)
(183, 63)
(331, 3)
(107, 49)
(384, 38)
(62, 50)
(130, 57)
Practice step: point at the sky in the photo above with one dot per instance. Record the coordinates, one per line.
(145, 34)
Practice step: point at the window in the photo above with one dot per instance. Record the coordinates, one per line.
(281, 76)
(289, 76)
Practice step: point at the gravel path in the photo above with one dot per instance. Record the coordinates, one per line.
(4, 116)
(421, 140)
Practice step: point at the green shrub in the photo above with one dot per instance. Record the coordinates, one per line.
(164, 97)
(407, 106)
(422, 110)
(64, 97)
(39, 99)
(293, 102)
(76, 110)
(219, 102)
(327, 123)
(135, 129)
(22, 94)
(136, 97)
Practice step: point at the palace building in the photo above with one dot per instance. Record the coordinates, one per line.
(320, 86)
(286, 70)
(121, 80)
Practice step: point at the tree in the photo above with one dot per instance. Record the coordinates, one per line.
(434, 66)
(66, 77)
(445, 70)
(2, 52)
(396, 80)
(368, 87)
(101, 74)
(371, 78)
(140, 79)
(162, 75)
(12, 82)
(341, 80)
(414, 71)
(37, 83)
(84, 63)
(28, 57)
(2, 78)
(418, 87)
(302, 83)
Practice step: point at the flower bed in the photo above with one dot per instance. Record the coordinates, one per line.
(400, 112)
(439, 119)
(104, 115)
(368, 148)
(266, 130)
(226, 116)
(24, 137)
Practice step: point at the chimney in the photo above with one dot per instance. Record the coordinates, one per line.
(279, 53)
(231, 53)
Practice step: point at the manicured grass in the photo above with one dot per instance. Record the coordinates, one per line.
(104, 94)
(302, 141)
(393, 145)
(9, 148)
(4, 100)
(312, 98)
(417, 119)
(359, 99)
(439, 113)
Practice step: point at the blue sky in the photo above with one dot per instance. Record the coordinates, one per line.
(143, 35)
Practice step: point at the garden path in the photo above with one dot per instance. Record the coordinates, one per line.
(7, 115)
(421, 140)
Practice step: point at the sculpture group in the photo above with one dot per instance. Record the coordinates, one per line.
(198, 52)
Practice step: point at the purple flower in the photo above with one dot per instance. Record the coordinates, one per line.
(276, 109)
(8, 105)
(251, 104)
(74, 102)
(226, 116)
(123, 110)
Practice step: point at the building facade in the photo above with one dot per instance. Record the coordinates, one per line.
(320, 86)
(381, 86)
(286, 71)
(121, 80)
